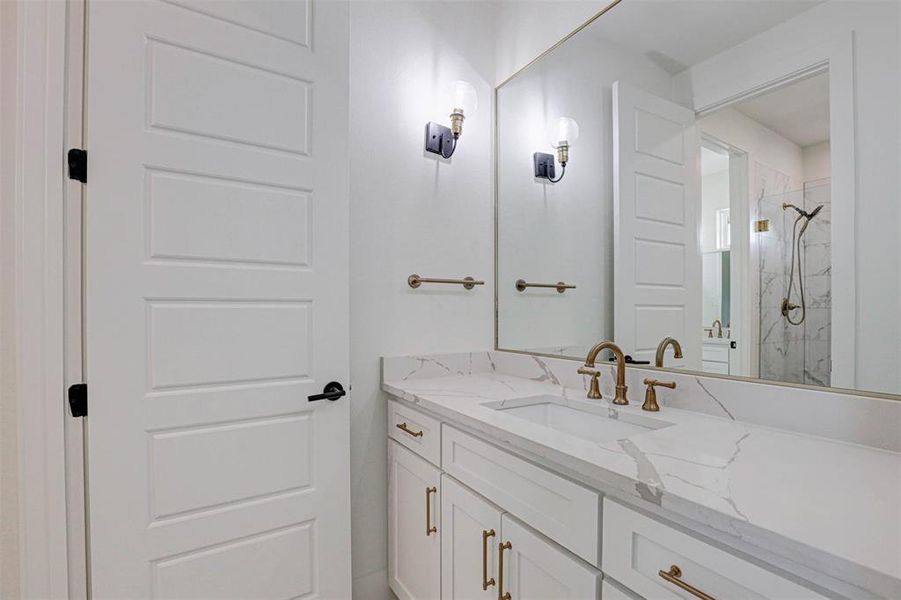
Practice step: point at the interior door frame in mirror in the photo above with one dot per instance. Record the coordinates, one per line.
(835, 56)
(741, 251)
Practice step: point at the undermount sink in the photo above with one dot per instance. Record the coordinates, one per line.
(593, 423)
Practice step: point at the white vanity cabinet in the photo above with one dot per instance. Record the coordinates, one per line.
(475, 533)
(483, 523)
(715, 356)
(414, 537)
(455, 554)
(470, 533)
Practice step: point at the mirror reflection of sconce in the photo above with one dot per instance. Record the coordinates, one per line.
(442, 140)
(562, 135)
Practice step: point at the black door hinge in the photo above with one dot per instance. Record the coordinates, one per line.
(78, 399)
(78, 164)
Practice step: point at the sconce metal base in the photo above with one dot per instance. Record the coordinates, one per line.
(439, 139)
(544, 165)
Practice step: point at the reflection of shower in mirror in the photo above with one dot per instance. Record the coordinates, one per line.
(787, 305)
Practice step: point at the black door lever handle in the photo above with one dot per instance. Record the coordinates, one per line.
(332, 391)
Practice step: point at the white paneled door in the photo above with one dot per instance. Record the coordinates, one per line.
(216, 299)
(657, 260)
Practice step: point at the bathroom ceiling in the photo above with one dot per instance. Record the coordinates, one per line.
(798, 112)
(677, 34)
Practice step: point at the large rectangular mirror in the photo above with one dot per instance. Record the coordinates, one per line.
(722, 172)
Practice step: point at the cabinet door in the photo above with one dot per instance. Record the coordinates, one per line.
(470, 530)
(414, 534)
(536, 568)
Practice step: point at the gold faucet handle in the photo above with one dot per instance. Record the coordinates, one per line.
(650, 395)
(594, 388)
(655, 383)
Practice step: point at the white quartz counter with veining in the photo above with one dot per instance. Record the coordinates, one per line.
(829, 506)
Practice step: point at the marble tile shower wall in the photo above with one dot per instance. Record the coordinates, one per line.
(793, 353)
(777, 361)
(866, 420)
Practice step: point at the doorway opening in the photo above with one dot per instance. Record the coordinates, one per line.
(787, 212)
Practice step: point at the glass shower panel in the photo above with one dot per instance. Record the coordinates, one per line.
(786, 352)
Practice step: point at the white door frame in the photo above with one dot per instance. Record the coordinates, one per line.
(741, 256)
(47, 342)
(836, 56)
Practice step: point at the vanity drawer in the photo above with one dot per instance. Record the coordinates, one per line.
(715, 367)
(638, 550)
(715, 353)
(416, 431)
(560, 509)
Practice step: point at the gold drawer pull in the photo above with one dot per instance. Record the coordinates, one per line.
(673, 576)
(403, 427)
(486, 582)
(501, 595)
(429, 528)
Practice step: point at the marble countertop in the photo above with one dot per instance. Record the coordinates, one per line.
(830, 506)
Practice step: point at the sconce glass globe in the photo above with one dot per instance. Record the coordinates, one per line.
(464, 97)
(565, 131)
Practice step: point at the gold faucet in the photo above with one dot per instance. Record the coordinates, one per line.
(719, 328)
(661, 348)
(594, 390)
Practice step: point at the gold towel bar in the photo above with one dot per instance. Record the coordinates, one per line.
(414, 281)
(560, 286)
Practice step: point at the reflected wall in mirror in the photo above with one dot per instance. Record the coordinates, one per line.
(698, 200)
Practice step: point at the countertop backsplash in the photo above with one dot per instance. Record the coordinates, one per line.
(866, 420)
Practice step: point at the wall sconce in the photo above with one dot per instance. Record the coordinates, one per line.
(561, 136)
(442, 140)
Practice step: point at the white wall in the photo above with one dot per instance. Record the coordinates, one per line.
(526, 28)
(815, 161)
(9, 501)
(411, 213)
(763, 145)
(714, 196)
